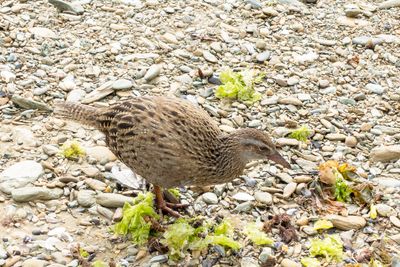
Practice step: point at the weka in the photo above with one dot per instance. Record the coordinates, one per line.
(170, 142)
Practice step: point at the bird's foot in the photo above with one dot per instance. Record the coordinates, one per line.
(167, 207)
(168, 210)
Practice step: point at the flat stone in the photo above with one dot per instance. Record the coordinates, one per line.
(289, 190)
(101, 154)
(31, 193)
(263, 56)
(387, 182)
(111, 200)
(152, 72)
(43, 32)
(7, 76)
(389, 4)
(249, 262)
(209, 57)
(289, 263)
(20, 174)
(50, 150)
(244, 207)
(122, 84)
(287, 142)
(210, 198)
(265, 254)
(64, 6)
(385, 153)
(96, 184)
(395, 221)
(384, 210)
(86, 198)
(285, 177)
(23, 135)
(346, 222)
(159, 259)
(290, 101)
(263, 197)
(336, 137)
(375, 88)
(242, 196)
(34, 263)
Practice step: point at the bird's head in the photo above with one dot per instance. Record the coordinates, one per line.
(253, 144)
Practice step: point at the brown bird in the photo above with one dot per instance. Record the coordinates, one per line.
(170, 142)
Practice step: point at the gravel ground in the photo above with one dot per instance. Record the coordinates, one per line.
(330, 65)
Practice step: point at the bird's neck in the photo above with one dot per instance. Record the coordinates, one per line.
(228, 159)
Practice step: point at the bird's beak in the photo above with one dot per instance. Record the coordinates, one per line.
(276, 157)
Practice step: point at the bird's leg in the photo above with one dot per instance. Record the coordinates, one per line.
(165, 206)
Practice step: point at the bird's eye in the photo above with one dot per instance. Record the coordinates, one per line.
(264, 148)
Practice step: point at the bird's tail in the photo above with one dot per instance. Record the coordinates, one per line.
(77, 112)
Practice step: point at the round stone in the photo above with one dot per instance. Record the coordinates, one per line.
(210, 198)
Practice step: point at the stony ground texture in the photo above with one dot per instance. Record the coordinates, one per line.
(331, 65)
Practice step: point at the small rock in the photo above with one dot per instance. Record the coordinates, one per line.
(285, 177)
(248, 262)
(290, 101)
(209, 57)
(350, 141)
(101, 154)
(19, 175)
(244, 207)
(111, 200)
(169, 38)
(34, 263)
(242, 196)
(159, 259)
(375, 88)
(7, 76)
(269, 11)
(289, 263)
(96, 184)
(347, 222)
(210, 198)
(152, 72)
(263, 56)
(263, 197)
(302, 221)
(395, 221)
(323, 83)
(309, 230)
(385, 153)
(387, 182)
(265, 254)
(23, 135)
(287, 142)
(336, 137)
(389, 4)
(122, 84)
(86, 198)
(31, 193)
(43, 32)
(289, 190)
(352, 11)
(384, 210)
(50, 150)
(74, 8)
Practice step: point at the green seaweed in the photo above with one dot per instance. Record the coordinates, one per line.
(72, 150)
(258, 237)
(134, 220)
(310, 262)
(331, 247)
(301, 134)
(239, 85)
(342, 191)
